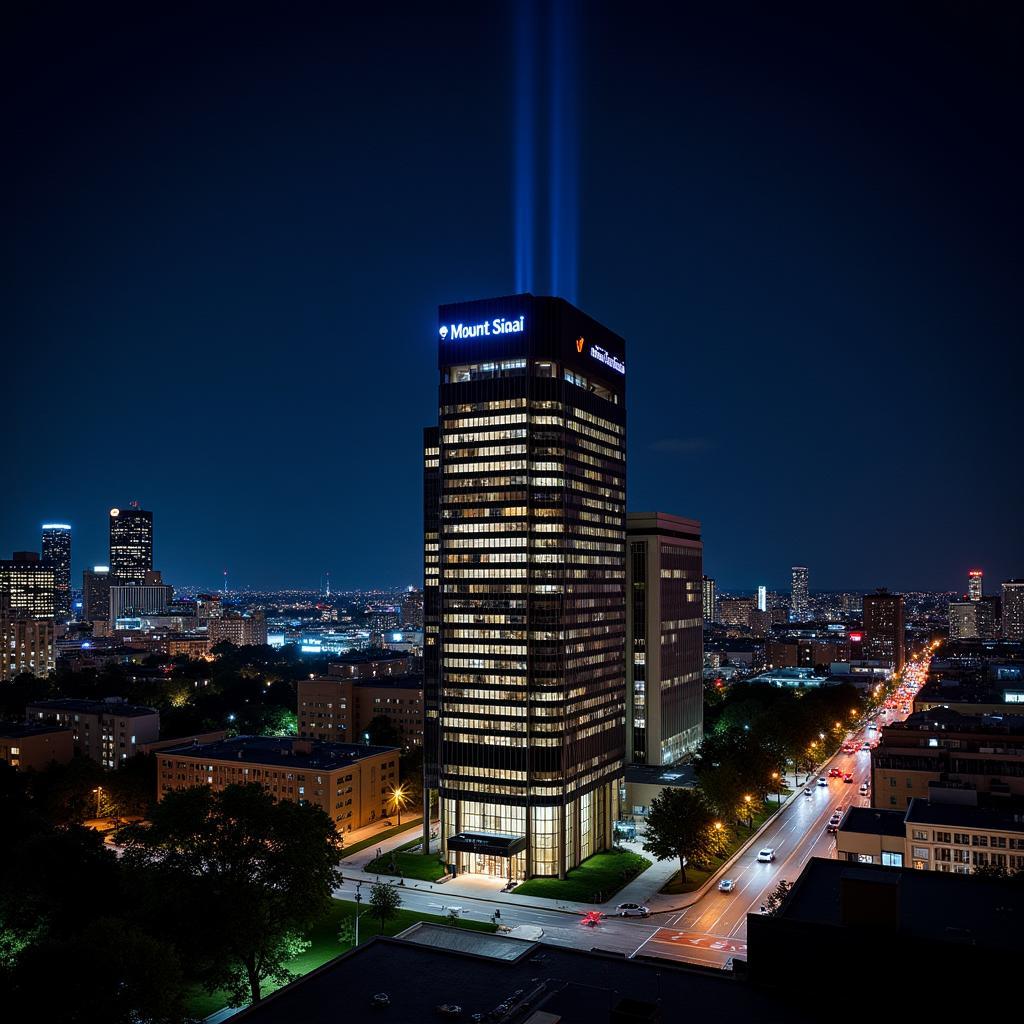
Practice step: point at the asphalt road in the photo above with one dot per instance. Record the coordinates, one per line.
(715, 927)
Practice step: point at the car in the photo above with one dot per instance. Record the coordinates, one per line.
(871, 726)
(726, 885)
(864, 789)
(766, 855)
(808, 792)
(450, 1011)
(822, 781)
(865, 745)
(632, 910)
(380, 1000)
(834, 773)
(848, 778)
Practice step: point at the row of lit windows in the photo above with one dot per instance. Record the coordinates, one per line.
(485, 452)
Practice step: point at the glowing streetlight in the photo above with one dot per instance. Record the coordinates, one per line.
(399, 799)
(99, 792)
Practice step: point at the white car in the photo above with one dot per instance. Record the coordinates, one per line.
(822, 781)
(726, 885)
(766, 856)
(864, 789)
(632, 910)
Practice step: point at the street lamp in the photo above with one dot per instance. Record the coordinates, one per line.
(398, 799)
(750, 813)
(99, 792)
(718, 838)
(778, 794)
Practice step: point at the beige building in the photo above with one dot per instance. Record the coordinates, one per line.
(109, 731)
(34, 747)
(338, 710)
(933, 836)
(351, 783)
(943, 749)
(26, 645)
(242, 630)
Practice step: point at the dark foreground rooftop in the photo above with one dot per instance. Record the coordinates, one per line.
(284, 751)
(572, 986)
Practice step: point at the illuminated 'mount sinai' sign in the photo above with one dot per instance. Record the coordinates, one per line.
(488, 329)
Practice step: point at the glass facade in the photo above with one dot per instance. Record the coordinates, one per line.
(526, 506)
(131, 545)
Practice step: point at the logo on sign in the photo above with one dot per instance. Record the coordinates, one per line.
(603, 356)
(488, 329)
(579, 344)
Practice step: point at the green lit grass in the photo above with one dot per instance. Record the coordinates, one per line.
(596, 880)
(325, 946)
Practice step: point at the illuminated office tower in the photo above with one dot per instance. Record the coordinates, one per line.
(57, 551)
(884, 629)
(1013, 610)
(28, 583)
(664, 638)
(709, 601)
(131, 545)
(975, 584)
(96, 594)
(800, 598)
(529, 689)
(762, 599)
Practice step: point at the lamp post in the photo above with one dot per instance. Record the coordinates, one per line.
(750, 813)
(98, 791)
(718, 838)
(398, 798)
(778, 795)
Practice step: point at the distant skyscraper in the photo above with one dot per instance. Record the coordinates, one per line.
(57, 551)
(1013, 610)
(975, 584)
(710, 602)
(28, 583)
(800, 597)
(963, 620)
(532, 599)
(131, 545)
(762, 599)
(884, 629)
(96, 594)
(664, 638)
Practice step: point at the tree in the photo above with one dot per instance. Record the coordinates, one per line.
(385, 901)
(260, 874)
(680, 824)
(382, 732)
(775, 898)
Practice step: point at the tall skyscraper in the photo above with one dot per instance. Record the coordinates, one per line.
(762, 599)
(530, 618)
(799, 594)
(1013, 610)
(664, 638)
(709, 602)
(884, 629)
(28, 583)
(56, 550)
(975, 584)
(96, 594)
(131, 545)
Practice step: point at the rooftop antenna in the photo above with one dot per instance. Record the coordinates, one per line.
(328, 583)
(225, 582)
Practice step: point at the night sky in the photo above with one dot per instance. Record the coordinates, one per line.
(226, 234)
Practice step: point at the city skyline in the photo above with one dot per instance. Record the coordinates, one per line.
(813, 265)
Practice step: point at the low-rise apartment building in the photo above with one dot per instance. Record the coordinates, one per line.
(351, 783)
(109, 731)
(339, 710)
(34, 747)
(934, 836)
(942, 748)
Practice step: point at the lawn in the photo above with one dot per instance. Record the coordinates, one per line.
(424, 866)
(378, 837)
(326, 945)
(596, 880)
(696, 877)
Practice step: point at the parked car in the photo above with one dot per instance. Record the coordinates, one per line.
(632, 910)
(726, 885)
(864, 787)
(766, 855)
